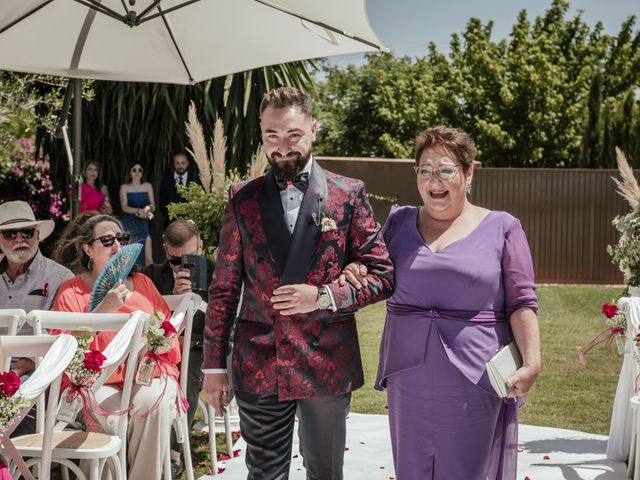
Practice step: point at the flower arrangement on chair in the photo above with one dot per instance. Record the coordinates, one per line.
(160, 335)
(10, 403)
(616, 322)
(626, 253)
(83, 371)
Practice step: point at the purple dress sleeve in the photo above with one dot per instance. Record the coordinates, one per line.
(517, 271)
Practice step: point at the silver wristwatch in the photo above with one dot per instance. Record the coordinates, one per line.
(323, 300)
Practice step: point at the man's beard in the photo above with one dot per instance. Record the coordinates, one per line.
(289, 169)
(21, 255)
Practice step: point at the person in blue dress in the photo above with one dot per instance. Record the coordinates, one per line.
(138, 204)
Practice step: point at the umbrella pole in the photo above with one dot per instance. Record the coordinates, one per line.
(77, 150)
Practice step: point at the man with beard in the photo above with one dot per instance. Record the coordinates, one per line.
(29, 280)
(169, 186)
(285, 237)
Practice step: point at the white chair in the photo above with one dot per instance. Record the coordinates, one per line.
(183, 308)
(631, 309)
(11, 319)
(230, 422)
(57, 352)
(98, 449)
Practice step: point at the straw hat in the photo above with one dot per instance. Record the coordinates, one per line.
(18, 214)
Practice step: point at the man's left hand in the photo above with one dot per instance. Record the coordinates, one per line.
(293, 299)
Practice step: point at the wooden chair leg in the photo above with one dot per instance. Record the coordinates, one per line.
(212, 440)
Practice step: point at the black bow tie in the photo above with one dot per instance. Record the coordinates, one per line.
(301, 182)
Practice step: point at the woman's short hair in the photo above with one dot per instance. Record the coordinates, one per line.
(454, 141)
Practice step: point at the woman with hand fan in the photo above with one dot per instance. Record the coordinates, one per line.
(105, 286)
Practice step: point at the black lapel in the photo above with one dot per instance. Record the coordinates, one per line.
(275, 228)
(167, 280)
(306, 233)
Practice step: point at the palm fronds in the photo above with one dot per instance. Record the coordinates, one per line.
(627, 187)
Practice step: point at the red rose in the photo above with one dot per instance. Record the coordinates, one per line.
(93, 360)
(168, 328)
(609, 310)
(9, 383)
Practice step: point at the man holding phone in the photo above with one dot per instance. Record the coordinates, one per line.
(176, 276)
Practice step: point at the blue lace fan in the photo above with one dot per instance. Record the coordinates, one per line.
(116, 269)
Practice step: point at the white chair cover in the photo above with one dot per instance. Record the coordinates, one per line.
(622, 416)
(58, 352)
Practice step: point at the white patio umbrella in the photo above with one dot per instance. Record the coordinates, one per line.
(173, 41)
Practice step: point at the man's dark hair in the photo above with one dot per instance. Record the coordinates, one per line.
(180, 232)
(284, 97)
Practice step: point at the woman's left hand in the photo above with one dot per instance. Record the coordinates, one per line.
(522, 381)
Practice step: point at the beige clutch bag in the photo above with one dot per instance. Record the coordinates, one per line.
(501, 366)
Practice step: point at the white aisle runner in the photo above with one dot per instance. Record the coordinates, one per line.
(545, 454)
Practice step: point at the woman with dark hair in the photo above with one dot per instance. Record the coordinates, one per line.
(94, 195)
(138, 205)
(98, 239)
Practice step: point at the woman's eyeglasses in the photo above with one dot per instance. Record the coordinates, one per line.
(445, 173)
(136, 170)
(109, 240)
(25, 233)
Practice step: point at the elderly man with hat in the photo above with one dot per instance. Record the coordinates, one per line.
(28, 279)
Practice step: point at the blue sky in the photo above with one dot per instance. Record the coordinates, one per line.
(406, 26)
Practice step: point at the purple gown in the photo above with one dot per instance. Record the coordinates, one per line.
(448, 315)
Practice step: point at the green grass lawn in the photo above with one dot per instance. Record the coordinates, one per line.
(566, 395)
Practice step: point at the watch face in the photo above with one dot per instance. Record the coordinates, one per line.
(324, 301)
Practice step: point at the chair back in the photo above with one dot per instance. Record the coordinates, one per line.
(126, 344)
(57, 353)
(183, 307)
(11, 320)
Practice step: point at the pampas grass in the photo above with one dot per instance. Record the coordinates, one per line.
(627, 187)
(199, 151)
(258, 163)
(218, 162)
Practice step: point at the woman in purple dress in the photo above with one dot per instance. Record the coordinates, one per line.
(464, 287)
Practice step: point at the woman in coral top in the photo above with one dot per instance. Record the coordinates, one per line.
(98, 239)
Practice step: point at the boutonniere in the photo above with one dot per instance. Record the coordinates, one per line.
(322, 220)
(327, 224)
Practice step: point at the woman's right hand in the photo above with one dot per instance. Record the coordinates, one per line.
(114, 299)
(356, 274)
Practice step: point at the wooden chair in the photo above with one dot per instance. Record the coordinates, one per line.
(99, 449)
(56, 353)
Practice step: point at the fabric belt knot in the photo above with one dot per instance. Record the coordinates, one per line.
(301, 182)
(474, 316)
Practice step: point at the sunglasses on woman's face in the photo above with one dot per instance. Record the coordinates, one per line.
(109, 240)
(136, 170)
(25, 233)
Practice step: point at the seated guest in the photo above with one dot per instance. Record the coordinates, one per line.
(170, 278)
(64, 251)
(98, 239)
(29, 280)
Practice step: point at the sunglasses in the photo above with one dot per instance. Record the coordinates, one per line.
(109, 240)
(136, 169)
(25, 233)
(175, 261)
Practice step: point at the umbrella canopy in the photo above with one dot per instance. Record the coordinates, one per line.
(175, 41)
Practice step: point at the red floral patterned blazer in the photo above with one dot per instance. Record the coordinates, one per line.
(296, 356)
